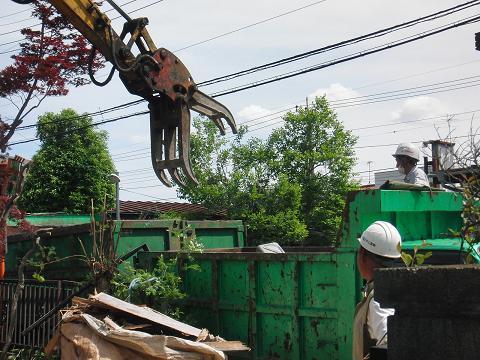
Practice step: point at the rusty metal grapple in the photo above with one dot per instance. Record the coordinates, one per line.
(175, 94)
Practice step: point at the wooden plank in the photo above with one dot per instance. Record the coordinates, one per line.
(144, 313)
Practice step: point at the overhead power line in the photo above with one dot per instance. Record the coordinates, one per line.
(344, 59)
(131, 151)
(438, 85)
(259, 126)
(394, 144)
(16, 22)
(334, 105)
(15, 13)
(251, 25)
(340, 44)
(140, 8)
(86, 126)
(143, 153)
(92, 114)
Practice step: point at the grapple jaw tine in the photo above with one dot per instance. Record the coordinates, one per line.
(211, 108)
(156, 140)
(170, 137)
(184, 143)
(218, 122)
(176, 177)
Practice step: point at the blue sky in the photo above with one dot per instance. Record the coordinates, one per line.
(276, 29)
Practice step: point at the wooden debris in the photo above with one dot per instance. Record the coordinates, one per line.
(128, 314)
(227, 346)
(145, 313)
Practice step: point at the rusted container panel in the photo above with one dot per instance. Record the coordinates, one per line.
(297, 305)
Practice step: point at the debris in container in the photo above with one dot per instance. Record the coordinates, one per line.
(104, 327)
(271, 248)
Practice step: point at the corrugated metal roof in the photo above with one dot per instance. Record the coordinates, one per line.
(160, 207)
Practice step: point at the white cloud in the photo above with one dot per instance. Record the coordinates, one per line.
(418, 108)
(253, 111)
(253, 114)
(335, 92)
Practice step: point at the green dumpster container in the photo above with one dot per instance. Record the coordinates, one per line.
(297, 305)
(158, 235)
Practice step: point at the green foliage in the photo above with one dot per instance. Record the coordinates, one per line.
(159, 289)
(314, 150)
(43, 256)
(470, 231)
(188, 240)
(71, 167)
(171, 214)
(28, 354)
(417, 258)
(289, 188)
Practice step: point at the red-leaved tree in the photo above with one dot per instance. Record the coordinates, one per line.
(50, 59)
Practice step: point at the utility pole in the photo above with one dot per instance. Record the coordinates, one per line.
(116, 180)
(477, 41)
(369, 168)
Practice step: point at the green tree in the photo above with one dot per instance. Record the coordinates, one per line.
(233, 177)
(71, 168)
(313, 149)
(288, 188)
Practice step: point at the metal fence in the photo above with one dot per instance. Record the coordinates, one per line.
(37, 299)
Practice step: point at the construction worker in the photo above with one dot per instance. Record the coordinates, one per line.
(380, 246)
(407, 156)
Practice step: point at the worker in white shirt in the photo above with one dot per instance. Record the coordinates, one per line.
(407, 156)
(380, 246)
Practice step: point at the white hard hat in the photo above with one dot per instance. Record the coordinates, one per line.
(407, 149)
(382, 238)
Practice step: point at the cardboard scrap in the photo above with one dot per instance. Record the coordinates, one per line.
(84, 334)
(86, 337)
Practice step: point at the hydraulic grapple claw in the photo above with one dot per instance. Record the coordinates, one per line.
(170, 116)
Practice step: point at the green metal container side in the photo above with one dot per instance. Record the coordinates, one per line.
(416, 214)
(297, 305)
(69, 250)
(56, 219)
(220, 233)
(158, 235)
